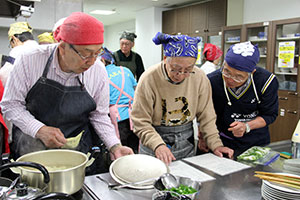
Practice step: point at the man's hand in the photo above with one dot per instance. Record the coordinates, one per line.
(238, 128)
(163, 153)
(201, 143)
(52, 137)
(120, 151)
(219, 151)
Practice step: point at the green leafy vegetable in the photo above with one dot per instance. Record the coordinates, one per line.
(183, 189)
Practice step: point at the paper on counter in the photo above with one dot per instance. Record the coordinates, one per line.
(179, 168)
(218, 165)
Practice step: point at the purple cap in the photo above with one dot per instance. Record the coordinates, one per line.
(243, 56)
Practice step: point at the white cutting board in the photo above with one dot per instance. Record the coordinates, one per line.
(179, 168)
(218, 165)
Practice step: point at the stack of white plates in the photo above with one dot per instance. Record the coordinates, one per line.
(273, 191)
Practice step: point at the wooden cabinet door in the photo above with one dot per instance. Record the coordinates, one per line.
(216, 16)
(284, 126)
(169, 22)
(182, 20)
(198, 19)
(288, 116)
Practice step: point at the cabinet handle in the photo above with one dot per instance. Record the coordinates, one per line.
(283, 98)
(293, 93)
(292, 112)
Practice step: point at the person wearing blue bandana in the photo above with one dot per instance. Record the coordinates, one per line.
(245, 99)
(169, 95)
(121, 90)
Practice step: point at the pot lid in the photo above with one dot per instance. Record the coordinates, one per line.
(138, 167)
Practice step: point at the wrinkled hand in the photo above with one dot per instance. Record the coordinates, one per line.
(219, 151)
(120, 151)
(164, 154)
(201, 143)
(52, 137)
(238, 128)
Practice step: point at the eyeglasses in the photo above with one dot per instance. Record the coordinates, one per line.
(95, 55)
(179, 72)
(238, 78)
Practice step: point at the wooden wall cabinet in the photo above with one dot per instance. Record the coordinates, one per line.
(203, 20)
(286, 31)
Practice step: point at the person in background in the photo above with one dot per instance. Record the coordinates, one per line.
(245, 98)
(46, 38)
(168, 97)
(60, 91)
(212, 56)
(126, 57)
(20, 38)
(122, 85)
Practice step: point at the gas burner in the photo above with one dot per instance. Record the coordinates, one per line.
(78, 195)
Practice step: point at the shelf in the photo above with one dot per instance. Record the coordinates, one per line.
(232, 42)
(286, 73)
(288, 38)
(294, 56)
(259, 40)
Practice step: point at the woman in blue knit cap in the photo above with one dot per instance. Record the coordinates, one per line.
(245, 99)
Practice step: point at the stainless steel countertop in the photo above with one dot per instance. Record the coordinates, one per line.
(240, 185)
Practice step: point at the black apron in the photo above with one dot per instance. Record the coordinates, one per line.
(63, 107)
(180, 140)
(129, 64)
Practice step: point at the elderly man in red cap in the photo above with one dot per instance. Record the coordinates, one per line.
(60, 91)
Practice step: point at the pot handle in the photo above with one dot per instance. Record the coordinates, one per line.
(54, 195)
(28, 164)
(92, 156)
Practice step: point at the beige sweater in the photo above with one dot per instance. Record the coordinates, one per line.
(159, 102)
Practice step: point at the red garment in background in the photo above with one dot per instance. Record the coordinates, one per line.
(6, 145)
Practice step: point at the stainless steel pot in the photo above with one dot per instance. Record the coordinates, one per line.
(66, 170)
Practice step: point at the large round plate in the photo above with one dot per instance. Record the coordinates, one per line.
(137, 167)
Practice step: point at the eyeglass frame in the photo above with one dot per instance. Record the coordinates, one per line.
(178, 72)
(87, 57)
(226, 75)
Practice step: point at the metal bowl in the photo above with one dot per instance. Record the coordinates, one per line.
(158, 185)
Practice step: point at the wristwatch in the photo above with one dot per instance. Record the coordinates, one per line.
(247, 128)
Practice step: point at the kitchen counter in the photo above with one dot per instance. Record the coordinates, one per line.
(241, 185)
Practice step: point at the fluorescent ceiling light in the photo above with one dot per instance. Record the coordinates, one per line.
(103, 12)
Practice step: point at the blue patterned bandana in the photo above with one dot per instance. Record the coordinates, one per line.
(108, 56)
(177, 45)
(243, 56)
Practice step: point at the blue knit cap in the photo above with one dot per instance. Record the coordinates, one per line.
(243, 56)
(177, 45)
(108, 56)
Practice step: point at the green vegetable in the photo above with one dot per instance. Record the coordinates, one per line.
(183, 189)
(254, 153)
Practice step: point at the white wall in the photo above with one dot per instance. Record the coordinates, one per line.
(235, 12)
(148, 23)
(269, 10)
(112, 34)
(46, 13)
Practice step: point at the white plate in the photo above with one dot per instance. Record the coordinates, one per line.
(277, 191)
(137, 167)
